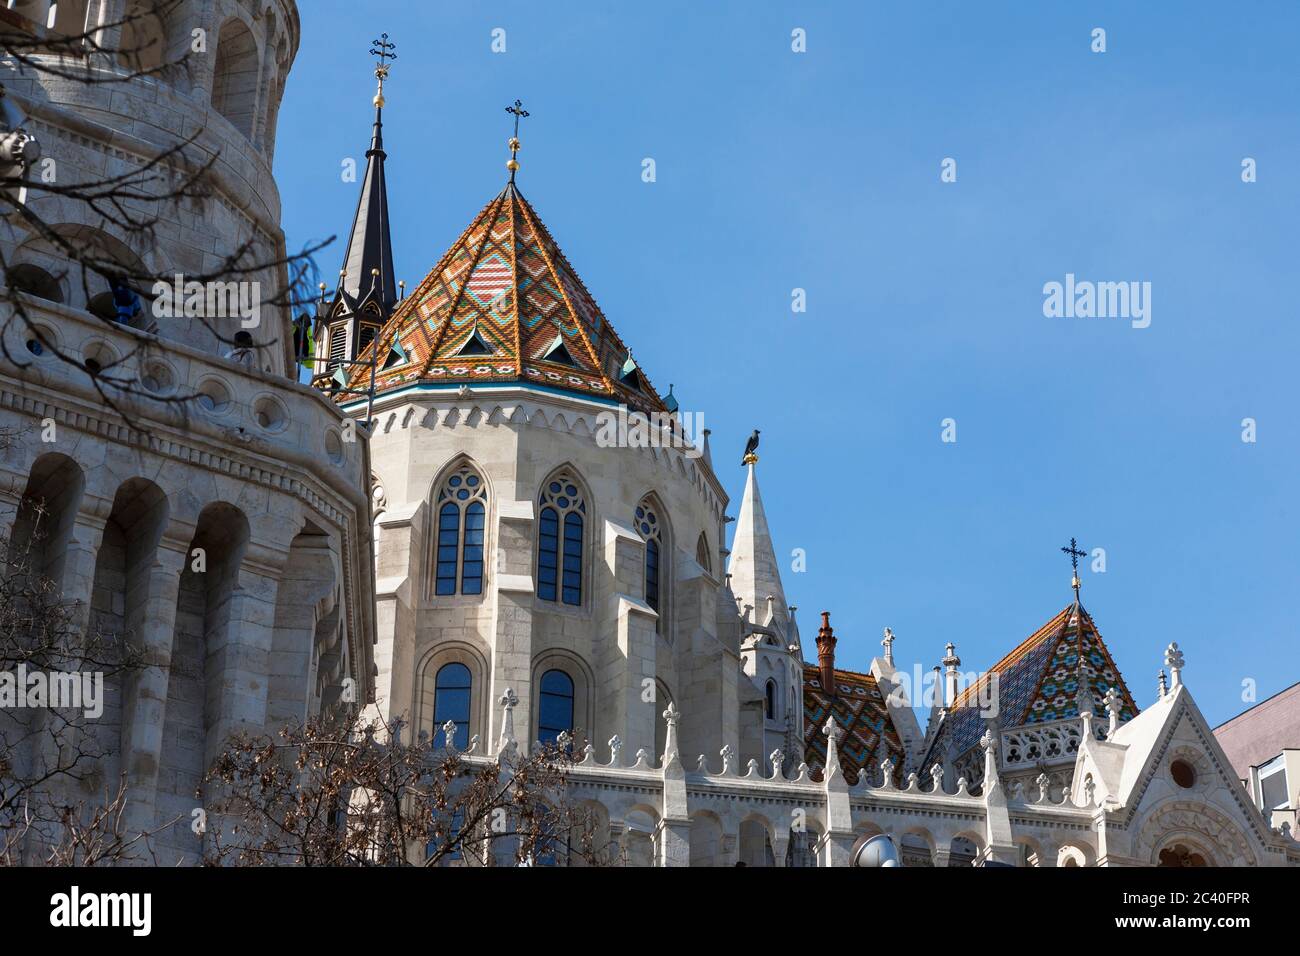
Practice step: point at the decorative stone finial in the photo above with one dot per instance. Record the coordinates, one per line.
(1174, 661)
(888, 644)
(671, 716)
(1162, 689)
(1044, 784)
(1114, 703)
(508, 702)
(449, 734)
(777, 759)
(615, 750)
(727, 754)
(1085, 705)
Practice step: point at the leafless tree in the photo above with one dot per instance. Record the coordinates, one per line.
(129, 204)
(55, 806)
(332, 794)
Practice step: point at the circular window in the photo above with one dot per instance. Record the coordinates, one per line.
(269, 414)
(212, 396)
(334, 447)
(1183, 773)
(98, 356)
(40, 340)
(157, 377)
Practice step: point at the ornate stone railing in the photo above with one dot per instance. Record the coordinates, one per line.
(1035, 745)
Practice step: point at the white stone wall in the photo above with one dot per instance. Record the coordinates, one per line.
(614, 646)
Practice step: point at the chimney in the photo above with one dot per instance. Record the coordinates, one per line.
(826, 653)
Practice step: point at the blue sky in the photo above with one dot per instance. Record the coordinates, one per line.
(820, 171)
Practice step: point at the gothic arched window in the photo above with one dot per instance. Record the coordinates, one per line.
(562, 519)
(554, 706)
(770, 700)
(702, 553)
(451, 702)
(461, 514)
(652, 530)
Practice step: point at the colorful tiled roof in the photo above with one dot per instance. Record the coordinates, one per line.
(861, 712)
(504, 305)
(1038, 682)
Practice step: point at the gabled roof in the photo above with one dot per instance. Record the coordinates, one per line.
(861, 711)
(1038, 682)
(506, 281)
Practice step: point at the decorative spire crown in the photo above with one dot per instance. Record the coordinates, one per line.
(1075, 554)
(518, 111)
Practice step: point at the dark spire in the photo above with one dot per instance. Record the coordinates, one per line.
(370, 245)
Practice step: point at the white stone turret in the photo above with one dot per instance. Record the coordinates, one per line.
(754, 570)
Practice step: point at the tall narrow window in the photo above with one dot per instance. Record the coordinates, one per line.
(771, 700)
(562, 518)
(651, 528)
(554, 706)
(451, 702)
(702, 553)
(459, 540)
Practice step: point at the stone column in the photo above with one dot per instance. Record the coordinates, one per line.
(238, 662)
(144, 690)
(780, 847)
(729, 849)
(512, 621)
(673, 842)
(941, 856)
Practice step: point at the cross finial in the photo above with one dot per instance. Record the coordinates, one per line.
(518, 111)
(382, 51)
(1075, 554)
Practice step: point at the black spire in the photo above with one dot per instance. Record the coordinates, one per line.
(367, 290)
(370, 245)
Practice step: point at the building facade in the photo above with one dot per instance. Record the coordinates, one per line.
(1263, 746)
(226, 533)
(552, 566)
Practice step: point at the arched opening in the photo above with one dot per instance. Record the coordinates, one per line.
(1182, 855)
(706, 839)
(142, 47)
(755, 843)
(67, 17)
(234, 80)
(34, 281)
(119, 604)
(769, 700)
(43, 525)
(306, 642)
(205, 653)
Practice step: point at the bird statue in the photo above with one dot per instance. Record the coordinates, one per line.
(750, 447)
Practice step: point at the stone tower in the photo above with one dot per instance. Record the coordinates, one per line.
(256, 474)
